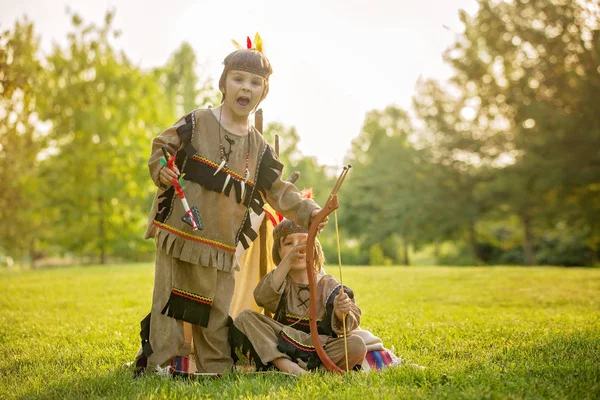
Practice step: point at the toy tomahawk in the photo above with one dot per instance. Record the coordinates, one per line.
(192, 215)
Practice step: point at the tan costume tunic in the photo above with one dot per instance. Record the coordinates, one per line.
(221, 212)
(194, 280)
(288, 334)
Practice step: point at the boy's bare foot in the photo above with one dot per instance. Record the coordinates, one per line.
(285, 365)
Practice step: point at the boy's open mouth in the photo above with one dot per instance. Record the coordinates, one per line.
(243, 101)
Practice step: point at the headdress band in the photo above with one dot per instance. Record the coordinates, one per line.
(294, 228)
(258, 46)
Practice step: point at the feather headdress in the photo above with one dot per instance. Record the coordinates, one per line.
(250, 59)
(258, 45)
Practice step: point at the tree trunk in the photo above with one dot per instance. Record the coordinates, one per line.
(437, 251)
(473, 243)
(528, 246)
(405, 250)
(101, 222)
(32, 255)
(102, 231)
(593, 244)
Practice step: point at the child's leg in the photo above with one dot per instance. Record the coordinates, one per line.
(211, 344)
(166, 333)
(286, 365)
(263, 334)
(357, 350)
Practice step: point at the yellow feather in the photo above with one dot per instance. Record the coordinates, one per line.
(258, 42)
(236, 44)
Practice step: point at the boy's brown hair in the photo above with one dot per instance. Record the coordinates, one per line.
(247, 60)
(287, 227)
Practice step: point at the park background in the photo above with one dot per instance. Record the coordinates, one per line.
(498, 163)
(488, 167)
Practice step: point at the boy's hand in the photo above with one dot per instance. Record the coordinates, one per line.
(342, 305)
(296, 254)
(166, 175)
(323, 223)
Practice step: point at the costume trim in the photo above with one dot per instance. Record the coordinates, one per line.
(186, 131)
(325, 327)
(213, 164)
(192, 296)
(249, 68)
(141, 360)
(185, 235)
(298, 351)
(188, 307)
(266, 172)
(297, 322)
(294, 228)
(145, 336)
(300, 323)
(202, 171)
(300, 346)
(165, 204)
(297, 318)
(239, 342)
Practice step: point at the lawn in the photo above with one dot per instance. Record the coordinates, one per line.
(501, 332)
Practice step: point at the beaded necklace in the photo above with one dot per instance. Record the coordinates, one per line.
(225, 158)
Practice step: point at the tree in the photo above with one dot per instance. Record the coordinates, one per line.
(387, 190)
(531, 68)
(182, 84)
(21, 210)
(104, 113)
(461, 162)
(312, 175)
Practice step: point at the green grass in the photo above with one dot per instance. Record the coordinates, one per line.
(481, 333)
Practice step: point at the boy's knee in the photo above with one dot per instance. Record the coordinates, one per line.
(357, 349)
(244, 316)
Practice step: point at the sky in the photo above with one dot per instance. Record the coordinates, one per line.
(333, 60)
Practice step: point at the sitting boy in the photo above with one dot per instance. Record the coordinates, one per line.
(284, 340)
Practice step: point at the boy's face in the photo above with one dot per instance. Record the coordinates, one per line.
(243, 91)
(288, 243)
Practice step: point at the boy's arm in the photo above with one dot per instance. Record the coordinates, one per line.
(332, 292)
(170, 139)
(286, 199)
(268, 293)
(352, 318)
(270, 288)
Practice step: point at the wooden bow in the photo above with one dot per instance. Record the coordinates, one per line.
(330, 206)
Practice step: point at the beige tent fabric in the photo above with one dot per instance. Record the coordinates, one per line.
(248, 276)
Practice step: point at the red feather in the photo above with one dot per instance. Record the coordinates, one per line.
(307, 193)
(178, 188)
(248, 42)
(272, 218)
(171, 161)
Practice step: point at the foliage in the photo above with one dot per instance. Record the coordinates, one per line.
(384, 189)
(312, 175)
(105, 112)
(85, 183)
(21, 209)
(527, 70)
(181, 82)
(501, 159)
